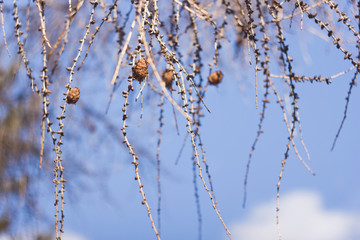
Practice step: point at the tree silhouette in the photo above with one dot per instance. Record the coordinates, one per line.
(165, 52)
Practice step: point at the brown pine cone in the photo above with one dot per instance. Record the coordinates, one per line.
(168, 78)
(73, 95)
(215, 78)
(140, 70)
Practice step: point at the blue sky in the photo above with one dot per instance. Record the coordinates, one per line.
(324, 206)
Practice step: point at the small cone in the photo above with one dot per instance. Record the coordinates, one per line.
(215, 78)
(73, 95)
(168, 78)
(140, 70)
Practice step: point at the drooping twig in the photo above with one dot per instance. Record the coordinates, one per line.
(3, 26)
(352, 84)
(40, 5)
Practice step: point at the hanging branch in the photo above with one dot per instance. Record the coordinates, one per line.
(3, 26)
(158, 162)
(40, 5)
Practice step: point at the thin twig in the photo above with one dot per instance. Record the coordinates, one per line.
(3, 26)
(122, 53)
(40, 6)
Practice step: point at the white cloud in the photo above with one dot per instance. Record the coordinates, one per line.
(24, 236)
(302, 216)
(72, 236)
